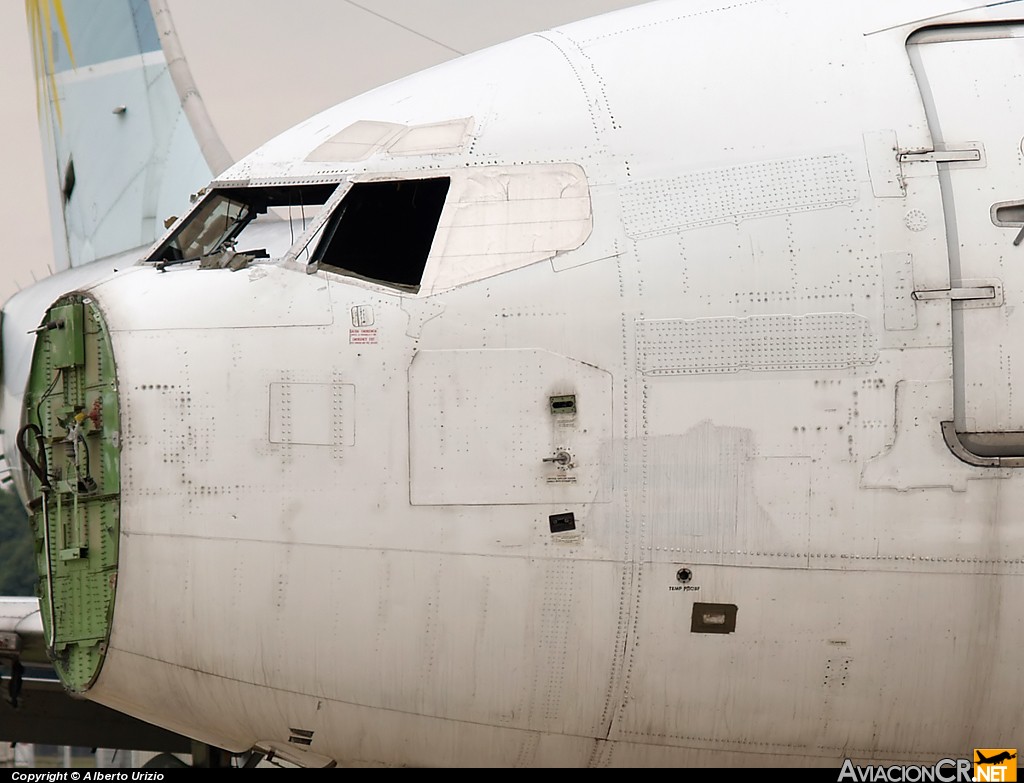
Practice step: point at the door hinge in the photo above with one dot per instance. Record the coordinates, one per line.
(973, 293)
(942, 156)
(956, 294)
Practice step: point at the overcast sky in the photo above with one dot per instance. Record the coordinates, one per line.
(261, 66)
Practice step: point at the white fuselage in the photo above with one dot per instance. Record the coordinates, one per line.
(335, 509)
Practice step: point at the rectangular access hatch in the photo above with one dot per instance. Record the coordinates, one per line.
(68, 337)
(713, 618)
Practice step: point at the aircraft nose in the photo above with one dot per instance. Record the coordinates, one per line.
(69, 444)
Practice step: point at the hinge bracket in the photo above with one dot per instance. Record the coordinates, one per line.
(983, 292)
(942, 156)
(956, 294)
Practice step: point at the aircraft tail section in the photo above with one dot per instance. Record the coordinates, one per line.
(126, 137)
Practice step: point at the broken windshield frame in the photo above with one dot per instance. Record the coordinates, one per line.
(219, 221)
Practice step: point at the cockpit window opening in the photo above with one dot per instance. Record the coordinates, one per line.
(383, 231)
(219, 220)
(225, 216)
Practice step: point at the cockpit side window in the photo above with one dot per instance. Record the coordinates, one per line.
(225, 217)
(217, 221)
(383, 231)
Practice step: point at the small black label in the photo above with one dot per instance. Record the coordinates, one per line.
(713, 618)
(562, 523)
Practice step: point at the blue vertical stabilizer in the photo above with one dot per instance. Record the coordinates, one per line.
(126, 138)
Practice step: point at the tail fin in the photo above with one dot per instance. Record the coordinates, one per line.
(126, 137)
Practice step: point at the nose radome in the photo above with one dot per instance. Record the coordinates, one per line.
(69, 442)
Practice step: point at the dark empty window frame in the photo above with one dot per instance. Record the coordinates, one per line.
(383, 231)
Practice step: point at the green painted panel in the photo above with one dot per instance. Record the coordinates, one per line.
(67, 338)
(72, 421)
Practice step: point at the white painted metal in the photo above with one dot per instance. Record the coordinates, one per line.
(968, 88)
(488, 414)
(771, 398)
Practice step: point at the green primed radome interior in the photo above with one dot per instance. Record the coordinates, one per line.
(72, 400)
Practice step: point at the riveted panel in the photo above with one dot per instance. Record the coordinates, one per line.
(313, 414)
(898, 281)
(71, 446)
(880, 151)
(759, 342)
(734, 193)
(483, 429)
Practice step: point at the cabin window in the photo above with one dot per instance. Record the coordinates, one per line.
(383, 231)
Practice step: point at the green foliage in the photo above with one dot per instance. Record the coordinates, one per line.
(17, 569)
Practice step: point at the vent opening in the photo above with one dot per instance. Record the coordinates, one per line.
(382, 231)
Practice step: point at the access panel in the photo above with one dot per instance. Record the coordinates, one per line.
(507, 427)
